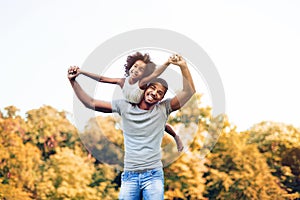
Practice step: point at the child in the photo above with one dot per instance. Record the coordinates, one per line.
(139, 71)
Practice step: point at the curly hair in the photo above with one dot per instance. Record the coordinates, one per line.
(131, 59)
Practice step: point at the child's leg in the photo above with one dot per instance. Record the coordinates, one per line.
(170, 131)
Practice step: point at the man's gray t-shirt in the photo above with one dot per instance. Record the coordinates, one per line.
(143, 131)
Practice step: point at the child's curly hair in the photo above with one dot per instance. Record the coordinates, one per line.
(131, 59)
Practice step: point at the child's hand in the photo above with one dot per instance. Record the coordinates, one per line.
(73, 72)
(172, 59)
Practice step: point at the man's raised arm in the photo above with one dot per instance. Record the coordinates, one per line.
(188, 85)
(88, 101)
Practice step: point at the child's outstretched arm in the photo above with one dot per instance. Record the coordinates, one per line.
(158, 71)
(103, 79)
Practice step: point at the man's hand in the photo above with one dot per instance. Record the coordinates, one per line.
(73, 72)
(188, 88)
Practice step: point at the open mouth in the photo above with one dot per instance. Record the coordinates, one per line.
(151, 98)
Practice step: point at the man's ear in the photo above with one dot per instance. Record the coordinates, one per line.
(164, 94)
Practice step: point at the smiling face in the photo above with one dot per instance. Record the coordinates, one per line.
(137, 70)
(154, 93)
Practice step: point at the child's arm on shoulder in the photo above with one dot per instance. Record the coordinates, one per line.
(103, 79)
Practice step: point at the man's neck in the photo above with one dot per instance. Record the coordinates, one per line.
(145, 106)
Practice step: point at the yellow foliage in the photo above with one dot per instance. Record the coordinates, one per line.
(9, 192)
(19, 162)
(67, 175)
(107, 126)
(184, 177)
(46, 122)
(237, 167)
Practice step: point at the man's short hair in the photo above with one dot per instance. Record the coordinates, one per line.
(159, 80)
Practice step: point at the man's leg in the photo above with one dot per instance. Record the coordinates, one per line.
(153, 185)
(130, 188)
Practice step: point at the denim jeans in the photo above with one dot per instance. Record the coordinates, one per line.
(148, 184)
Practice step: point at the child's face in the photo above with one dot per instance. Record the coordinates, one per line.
(137, 70)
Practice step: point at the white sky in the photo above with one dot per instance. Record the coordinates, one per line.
(255, 46)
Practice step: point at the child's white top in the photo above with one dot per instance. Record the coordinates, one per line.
(132, 93)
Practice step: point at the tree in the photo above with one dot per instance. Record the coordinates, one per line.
(184, 177)
(19, 162)
(48, 129)
(104, 141)
(237, 170)
(280, 144)
(67, 175)
(104, 180)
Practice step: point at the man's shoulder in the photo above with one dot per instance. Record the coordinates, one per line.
(165, 102)
(120, 104)
(166, 105)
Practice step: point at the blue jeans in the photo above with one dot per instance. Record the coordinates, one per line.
(147, 184)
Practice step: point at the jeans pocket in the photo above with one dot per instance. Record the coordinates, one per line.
(157, 174)
(125, 176)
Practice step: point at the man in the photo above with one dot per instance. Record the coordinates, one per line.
(143, 129)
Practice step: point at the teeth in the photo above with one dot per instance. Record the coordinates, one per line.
(150, 97)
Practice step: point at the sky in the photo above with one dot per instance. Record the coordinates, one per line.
(255, 46)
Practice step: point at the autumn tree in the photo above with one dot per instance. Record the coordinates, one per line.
(106, 182)
(67, 175)
(237, 170)
(42, 157)
(184, 176)
(48, 129)
(280, 144)
(104, 141)
(19, 162)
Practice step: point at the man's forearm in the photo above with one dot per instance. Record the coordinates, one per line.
(188, 87)
(82, 96)
(188, 83)
(89, 102)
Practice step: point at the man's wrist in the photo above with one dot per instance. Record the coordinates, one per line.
(183, 66)
(72, 80)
